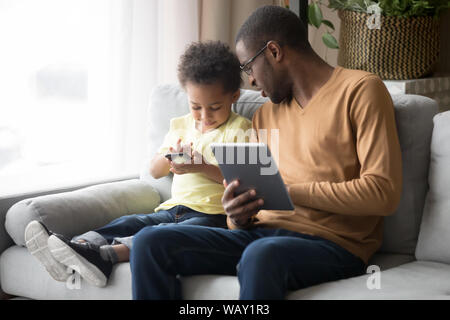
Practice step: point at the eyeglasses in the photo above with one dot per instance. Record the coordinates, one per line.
(245, 67)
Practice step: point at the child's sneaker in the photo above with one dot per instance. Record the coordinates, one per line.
(84, 258)
(36, 236)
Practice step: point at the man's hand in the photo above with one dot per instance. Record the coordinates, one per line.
(241, 209)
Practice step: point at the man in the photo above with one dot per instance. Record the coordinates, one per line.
(339, 155)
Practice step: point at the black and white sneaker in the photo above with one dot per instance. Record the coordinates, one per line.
(36, 237)
(84, 258)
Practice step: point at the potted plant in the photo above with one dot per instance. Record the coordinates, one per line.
(396, 39)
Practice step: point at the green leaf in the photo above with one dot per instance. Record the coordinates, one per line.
(314, 14)
(330, 41)
(328, 24)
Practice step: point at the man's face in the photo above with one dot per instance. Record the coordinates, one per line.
(262, 74)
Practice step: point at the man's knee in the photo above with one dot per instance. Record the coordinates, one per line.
(147, 241)
(260, 254)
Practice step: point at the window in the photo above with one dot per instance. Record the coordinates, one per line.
(75, 76)
(55, 116)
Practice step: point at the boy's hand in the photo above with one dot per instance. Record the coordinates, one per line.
(197, 164)
(187, 148)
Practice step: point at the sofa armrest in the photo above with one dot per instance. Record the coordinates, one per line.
(75, 212)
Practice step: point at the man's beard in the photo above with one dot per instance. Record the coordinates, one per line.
(276, 95)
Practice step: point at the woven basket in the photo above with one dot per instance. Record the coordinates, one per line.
(403, 48)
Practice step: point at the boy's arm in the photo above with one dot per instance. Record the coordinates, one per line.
(198, 165)
(159, 166)
(213, 172)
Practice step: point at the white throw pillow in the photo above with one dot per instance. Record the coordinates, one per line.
(434, 236)
(75, 212)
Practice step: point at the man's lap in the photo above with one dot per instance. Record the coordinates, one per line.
(219, 250)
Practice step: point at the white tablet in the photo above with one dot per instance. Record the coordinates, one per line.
(255, 168)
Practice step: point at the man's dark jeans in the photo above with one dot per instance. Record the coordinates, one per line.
(268, 262)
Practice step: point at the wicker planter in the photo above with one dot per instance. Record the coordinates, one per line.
(403, 48)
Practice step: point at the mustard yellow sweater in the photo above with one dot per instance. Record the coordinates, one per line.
(341, 156)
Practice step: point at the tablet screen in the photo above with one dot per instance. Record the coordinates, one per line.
(255, 168)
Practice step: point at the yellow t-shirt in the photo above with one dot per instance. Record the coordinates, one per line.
(196, 190)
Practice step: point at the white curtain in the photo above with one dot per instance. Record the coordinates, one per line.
(157, 33)
(75, 81)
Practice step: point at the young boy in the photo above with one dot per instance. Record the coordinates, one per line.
(210, 74)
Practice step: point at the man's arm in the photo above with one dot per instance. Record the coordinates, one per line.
(377, 191)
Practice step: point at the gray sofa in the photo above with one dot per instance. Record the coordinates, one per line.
(414, 259)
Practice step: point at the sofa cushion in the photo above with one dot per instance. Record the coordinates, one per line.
(22, 275)
(418, 280)
(434, 237)
(414, 118)
(75, 212)
(248, 103)
(414, 280)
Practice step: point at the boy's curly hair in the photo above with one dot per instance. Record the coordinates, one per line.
(210, 62)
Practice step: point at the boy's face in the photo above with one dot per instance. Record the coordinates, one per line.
(209, 104)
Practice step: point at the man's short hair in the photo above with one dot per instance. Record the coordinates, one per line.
(273, 23)
(210, 62)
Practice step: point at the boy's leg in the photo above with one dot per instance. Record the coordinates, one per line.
(122, 252)
(36, 237)
(160, 254)
(192, 217)
(271, 266)
(126, 226)
(90, 252)
(119, 251)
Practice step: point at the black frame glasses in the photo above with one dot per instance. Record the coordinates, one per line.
(245, 67)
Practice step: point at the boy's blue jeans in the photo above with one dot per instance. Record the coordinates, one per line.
(123, 229)
(268, 262)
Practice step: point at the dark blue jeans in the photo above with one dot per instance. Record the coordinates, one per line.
(124, 228)
(268, 262)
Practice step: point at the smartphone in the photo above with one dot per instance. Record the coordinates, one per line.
(179, 157)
